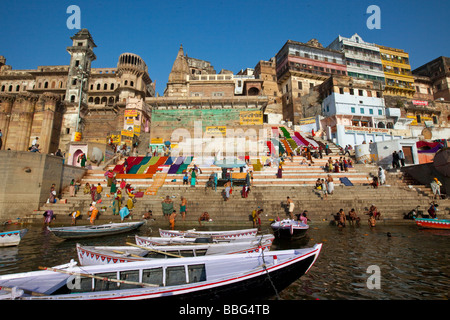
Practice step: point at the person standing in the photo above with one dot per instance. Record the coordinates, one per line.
(1, 141)
(93, 213)
(183, 208)
(381, 176)
(82, 159)
(436, 188)
(167, 207)
(290, 206)
(401, 157)
(72, 188)
(172, 217)
(395, 160)
(330, 184)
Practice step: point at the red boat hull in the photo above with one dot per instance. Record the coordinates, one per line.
(433, 224)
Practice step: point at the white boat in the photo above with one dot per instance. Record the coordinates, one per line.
(11, 238)
(287, 228)
(161, 241)
(92, 255)
(237, 276)
(90, 231)
(227, 234)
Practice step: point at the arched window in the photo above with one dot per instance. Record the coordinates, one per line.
(53, 84)
(60, 84)
(91, 100)
(98, 86)
(105, 86)
(125, 83)
(381, 125)
(104, 100)
(132, 83)
(97, 100)
(390, 125)
(3, 88)
(112, 86)
(18, 88)
(253, 91)
(111, 100)
(10, 88)
(46, 85)
(72, 98)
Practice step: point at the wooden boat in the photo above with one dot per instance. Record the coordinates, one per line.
(92, 255)
(160, 241)
(228, 234)
(11, 238)
(89, 231)
(433, 223)
(289, 229)
(236, 276)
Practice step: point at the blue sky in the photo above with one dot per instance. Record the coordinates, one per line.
(231, 34)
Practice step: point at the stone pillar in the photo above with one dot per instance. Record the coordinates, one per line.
(43, 121)
(6, 105)
(19, 129)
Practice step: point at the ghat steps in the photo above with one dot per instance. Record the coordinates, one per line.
(393, 199)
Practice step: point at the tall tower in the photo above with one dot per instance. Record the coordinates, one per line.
(81, 57)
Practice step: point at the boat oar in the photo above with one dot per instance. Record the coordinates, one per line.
(131, 255)
(154, 250)
(32, 293)
(87, 275)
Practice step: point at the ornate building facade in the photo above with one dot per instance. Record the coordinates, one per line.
(54, 102)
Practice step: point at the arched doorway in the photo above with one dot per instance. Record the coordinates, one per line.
(75, 158)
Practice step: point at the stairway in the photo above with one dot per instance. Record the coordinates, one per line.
(268, 192)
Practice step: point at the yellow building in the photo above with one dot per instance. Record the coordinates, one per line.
(397, 71)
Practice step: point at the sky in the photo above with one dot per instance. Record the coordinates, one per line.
(232, 35)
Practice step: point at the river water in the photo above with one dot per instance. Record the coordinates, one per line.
(410, 264)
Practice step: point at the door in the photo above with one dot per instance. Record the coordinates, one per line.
(407, 151)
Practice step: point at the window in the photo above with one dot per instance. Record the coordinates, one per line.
(435, 120)
(352, 92)
(105, 86)
(370, 111)
(98, 86)
(72, 98)
(112, 86)
(300, 85)
(129, 275)
(341, 90)
(287, 88)
(311, 85)
(360, 92)
(101, 285)
(419, 118)
(378, 94)
(353, 110)
(77, 63)
(197, 273)
(153, 276)
(175, 276)
(380, 112)
(361, 110)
